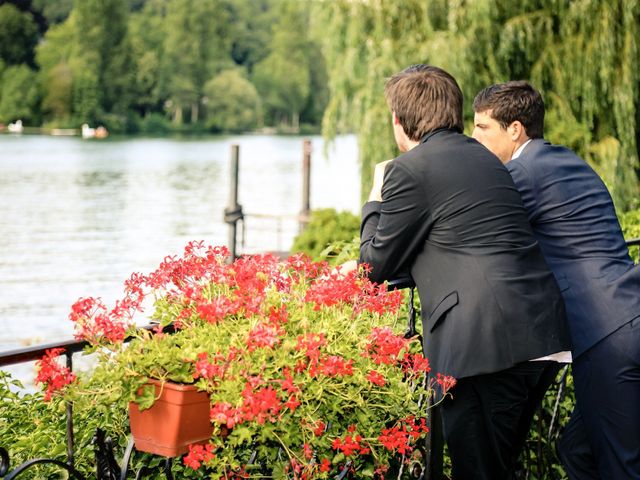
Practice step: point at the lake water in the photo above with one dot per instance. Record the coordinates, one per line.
(78, 217)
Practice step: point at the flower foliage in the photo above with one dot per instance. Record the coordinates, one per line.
(305, 373)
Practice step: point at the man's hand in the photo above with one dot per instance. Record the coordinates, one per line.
(378, 178)
(345, 268)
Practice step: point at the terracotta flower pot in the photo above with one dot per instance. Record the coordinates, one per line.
(179, 418)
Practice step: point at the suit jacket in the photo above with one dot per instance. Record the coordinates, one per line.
(452, 215)
(575, 222)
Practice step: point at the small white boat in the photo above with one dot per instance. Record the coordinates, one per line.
(15, 127)
(88, 132)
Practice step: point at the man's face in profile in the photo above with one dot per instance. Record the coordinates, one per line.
(492, 135)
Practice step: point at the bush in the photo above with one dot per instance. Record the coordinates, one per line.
(232, 103)
(329, 234)
(155, 123)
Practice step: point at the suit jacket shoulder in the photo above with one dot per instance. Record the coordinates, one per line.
(574, 220)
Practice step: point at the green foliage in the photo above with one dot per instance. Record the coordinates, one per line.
(251, 30)
(147, 41)
(59, 94)
(18, 36)
(55, 11)
(110, 61)
(195, 49)
(103, 50)
(583, 55)
(155, 123)
(232, 102)
(630, 223)
(327, 234)
(283, 78)
(19, 95)
(31, 428)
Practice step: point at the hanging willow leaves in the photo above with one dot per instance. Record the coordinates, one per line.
(583, 55)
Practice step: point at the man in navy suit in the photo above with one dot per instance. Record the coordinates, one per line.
(574, 220)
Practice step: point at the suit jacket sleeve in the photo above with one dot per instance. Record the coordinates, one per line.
(392, 230)
(526, 184)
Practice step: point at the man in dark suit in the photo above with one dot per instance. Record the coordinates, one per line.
(447, 210)
(574, 220)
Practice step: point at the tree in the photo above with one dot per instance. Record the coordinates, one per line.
(59, 94)
(55, 11)
(283, 77)
(20, 95)
(232, 102)
(583, 55)
(251, 30)
(147, 33)
(53, 56)
(18, 36)
(196, 47)
(102, 60)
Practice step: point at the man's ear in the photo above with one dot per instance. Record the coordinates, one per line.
(395, 118)
(516, 131)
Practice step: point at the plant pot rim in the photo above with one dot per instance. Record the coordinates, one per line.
(172, 385)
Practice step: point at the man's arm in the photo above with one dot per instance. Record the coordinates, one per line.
(392, 229)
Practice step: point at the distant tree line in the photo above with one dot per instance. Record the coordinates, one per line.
(584, 55)
(216, 65)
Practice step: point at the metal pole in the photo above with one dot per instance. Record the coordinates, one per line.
(233, 212)
(306, 184)
(435, 446)
(70, 440)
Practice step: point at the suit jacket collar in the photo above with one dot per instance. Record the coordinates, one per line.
(427, 136)
(534, 145)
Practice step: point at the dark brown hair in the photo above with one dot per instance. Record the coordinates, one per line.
(424, 98)
(511, 101)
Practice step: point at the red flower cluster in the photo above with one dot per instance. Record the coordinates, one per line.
(210, 370)
(216, 309)
(446, 382)
(353, 289)
(260, 404)
(311, 344)
(375, 378)
(415, 364)
(225, 414)
(320, 429)
(350, 444)
(398, 438)
(198, 454)
(53, 375)
(94, 323)
(384, 346)
(335, 365)
(263, 335)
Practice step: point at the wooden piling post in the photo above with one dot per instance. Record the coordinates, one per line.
(306, 184)
(233, 213)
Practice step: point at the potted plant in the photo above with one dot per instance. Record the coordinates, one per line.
(303, 370)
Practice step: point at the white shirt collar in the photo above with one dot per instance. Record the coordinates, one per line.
(517, 153)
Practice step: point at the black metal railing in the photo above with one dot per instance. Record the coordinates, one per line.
(107, 467)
